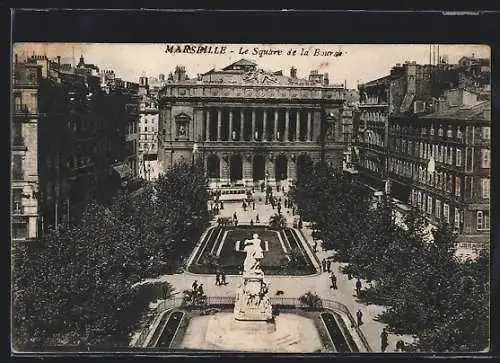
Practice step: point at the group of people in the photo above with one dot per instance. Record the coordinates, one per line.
(197, 290)
(220, 278)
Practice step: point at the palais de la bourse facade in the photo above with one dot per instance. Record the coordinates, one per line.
(249, 125)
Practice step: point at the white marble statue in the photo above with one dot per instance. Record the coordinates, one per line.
(255, 254)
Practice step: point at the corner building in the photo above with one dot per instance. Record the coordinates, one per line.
(249, 125)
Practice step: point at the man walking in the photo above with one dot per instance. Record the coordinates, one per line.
(195, 285)
(234, 216)
(358, 287)
(217, 278)
(323, 265)
(359, 317)
(253, 205)
(383, 339)
(244, 205)
(333, 278)
(223, 278)
(257, 220)
(315, 246)
(221, 204)
(328, 265)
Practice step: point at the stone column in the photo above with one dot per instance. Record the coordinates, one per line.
(242, 116)
(207, 126)
(287, 123)
(275, 123)
(253, 124)
(309, 126)
(264, 128)
(231, 124)
(297, 126)
(219, 123)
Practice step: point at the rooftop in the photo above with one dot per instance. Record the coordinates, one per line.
(479, 111)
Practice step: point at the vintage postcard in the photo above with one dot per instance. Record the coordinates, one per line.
(277, 198)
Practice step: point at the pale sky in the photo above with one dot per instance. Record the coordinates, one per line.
(361, 63)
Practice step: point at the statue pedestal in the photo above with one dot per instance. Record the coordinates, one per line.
(252, 302)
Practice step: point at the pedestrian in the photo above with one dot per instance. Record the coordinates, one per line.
(358, 287)
(359, 317)
(244, 206)
(333, 278)
(253, 205)
(251, 222)
(315, 246)
(293, 210)
(300, 222)
(279, 208)
(257, 220)
(328, 265)
(223, 278)
(323, 265)
(195, 285)
(217, 278)
(234, 216)
(200, 290)
(383, 339)
(400, 345)
(221, 204)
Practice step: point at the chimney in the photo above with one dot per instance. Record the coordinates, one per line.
(15, 57)
(293, 72)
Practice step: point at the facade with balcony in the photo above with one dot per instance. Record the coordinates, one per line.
(68, 131)
(25, 180)
(437, 145)
(440, 163)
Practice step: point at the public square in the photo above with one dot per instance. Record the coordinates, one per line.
(333, 201)
(286, 285)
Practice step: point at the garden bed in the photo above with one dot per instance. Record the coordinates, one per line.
(218, 251)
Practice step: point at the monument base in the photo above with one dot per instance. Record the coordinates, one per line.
(252, 302)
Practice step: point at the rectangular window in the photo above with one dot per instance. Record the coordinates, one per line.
(483, 220)
(446, 212)
(17, 197)
(485, 188)
(458, 184)
(17, 167)
(438, 208)
(450, 156)
(459, 157)
(469, 153)
(429, 205)
(457, 218)
(485, 158)
(485, 133)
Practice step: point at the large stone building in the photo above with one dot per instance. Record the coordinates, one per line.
(69, 141)
(250, 125)
(148, 131)
(423, 137)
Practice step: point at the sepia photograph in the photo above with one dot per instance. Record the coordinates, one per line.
(270, 198)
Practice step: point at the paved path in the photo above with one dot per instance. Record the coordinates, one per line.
(294, 286)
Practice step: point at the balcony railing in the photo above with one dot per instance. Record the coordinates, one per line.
(21, 109)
